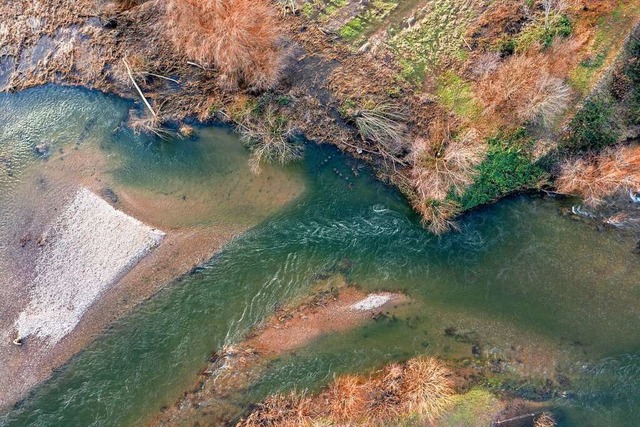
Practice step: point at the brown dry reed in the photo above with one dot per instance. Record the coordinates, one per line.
(420, 388)
(241, 39)
(596, 177)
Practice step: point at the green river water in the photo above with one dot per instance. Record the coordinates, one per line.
(520, 278)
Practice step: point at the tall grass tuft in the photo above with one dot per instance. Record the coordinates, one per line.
(419, 389)
(383, 124)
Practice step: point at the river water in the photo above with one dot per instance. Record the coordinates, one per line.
(540, 294)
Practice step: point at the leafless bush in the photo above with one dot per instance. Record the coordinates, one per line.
(486, 64)
(242, 39)
(438, 215)
(443, 164)
(523, 89)
(384, 124)
(269, 138)
(595, 178)
(549, 101)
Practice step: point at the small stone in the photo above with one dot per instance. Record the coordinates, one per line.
(43, 149)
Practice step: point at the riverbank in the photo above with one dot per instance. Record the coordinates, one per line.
(66, 185)
(357, 67)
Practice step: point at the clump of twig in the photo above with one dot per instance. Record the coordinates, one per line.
(383, 124)
(444, 164)
(149, 124)
(269, 137)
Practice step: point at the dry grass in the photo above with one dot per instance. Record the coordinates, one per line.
(291, 410)
(419, 388)
(597, 177)
(242, 39)
(344, 397)
(443, 163)
(383, 124)
(269, 137)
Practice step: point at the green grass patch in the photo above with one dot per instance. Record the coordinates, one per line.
(594, 126)
(537, 32)
(373, 14)
(322, 10)
(476, 407)
(506, 169)
(438, 36)
(457, 95)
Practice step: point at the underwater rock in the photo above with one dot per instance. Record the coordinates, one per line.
(42, 150)
(110, 195)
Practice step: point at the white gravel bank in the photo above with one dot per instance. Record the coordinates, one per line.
(85, 251)
(371, 301)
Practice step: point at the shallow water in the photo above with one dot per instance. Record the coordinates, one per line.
(520, 280)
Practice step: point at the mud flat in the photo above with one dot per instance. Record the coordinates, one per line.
(339, 308)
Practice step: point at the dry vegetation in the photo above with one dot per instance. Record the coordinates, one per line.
(242, 39)
(420, 389)
(598, 176)
(420, 95)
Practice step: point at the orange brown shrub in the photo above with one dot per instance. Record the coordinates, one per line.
(420, 387)
(242, 39)
(597, 177)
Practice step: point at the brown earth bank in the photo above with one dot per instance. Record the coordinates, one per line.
(334, 307)
(433, 105)
(184, 246)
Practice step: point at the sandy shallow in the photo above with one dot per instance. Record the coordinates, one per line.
(235, 369)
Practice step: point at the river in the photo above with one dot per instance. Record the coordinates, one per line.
(534, 289)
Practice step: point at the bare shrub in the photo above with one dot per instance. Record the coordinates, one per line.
(443, 164)
(438, 215)
(269, 138)
(485, 64)
(549, 100)
(240, 38)
(383, 124)
(545, 420)
(523, 89)
(597, 177)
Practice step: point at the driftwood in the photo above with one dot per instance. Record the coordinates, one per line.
(138, 88)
